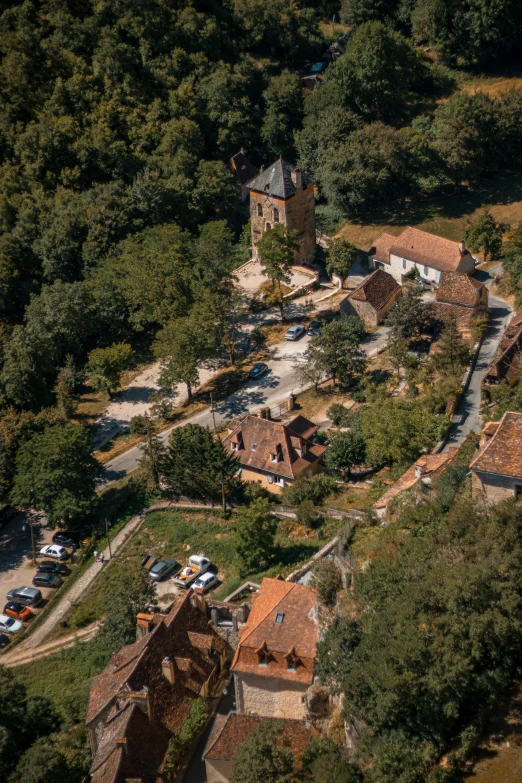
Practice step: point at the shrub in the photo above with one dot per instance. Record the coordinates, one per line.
(338, 414)
(326, 579)
(316, 489)
(308, 515)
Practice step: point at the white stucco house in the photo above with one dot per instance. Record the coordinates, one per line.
(431, 254)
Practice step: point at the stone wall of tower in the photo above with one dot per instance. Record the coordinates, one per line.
(296, 212)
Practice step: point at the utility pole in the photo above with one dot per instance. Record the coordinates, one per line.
(223, 498)
(32, 537)
(212, 409)
(108, 539)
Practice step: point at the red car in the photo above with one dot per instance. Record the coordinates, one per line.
(16, 610)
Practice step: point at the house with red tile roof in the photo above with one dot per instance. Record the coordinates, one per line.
(424, 471)
(497, 467)
(271, 453)
(505, 364)
(372, 298)
(144, 694)
(274, 662)
(230, 731)
(429, 254)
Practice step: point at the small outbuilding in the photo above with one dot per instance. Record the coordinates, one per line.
(372, 298)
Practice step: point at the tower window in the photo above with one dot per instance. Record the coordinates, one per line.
(276, 216)
(268, 227)
(259, 210)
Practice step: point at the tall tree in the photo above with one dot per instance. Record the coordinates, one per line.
(277, 248)
(106, 365)
(485, 233)
(131, 593)
(181, 345)
(255, 528)
(335, 353)
(198, 466)
(341, 257)
(345, 450)
(409, 316)
(153, 449)
(452, 354)
(56, 473)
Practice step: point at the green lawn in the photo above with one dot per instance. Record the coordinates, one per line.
(176, 533)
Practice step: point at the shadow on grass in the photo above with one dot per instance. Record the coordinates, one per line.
(295, 553)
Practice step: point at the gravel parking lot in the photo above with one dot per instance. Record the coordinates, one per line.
(16, 568)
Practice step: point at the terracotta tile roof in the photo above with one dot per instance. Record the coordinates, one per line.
(507, 349)
(230, 731)
(433, 466)
(185, 636)
(381, 247)
(243, 168)
(296, 635)
(376, 289)
(260, 438)
(443, 311)
(459, 289)
(421, 247)
(502, 454)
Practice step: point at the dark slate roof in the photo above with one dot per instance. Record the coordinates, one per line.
(278, 177)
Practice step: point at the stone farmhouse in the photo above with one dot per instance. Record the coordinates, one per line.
(497, 467)
(230, 731)
(144, 694)
(271, 453)
(424, 471)
(372, 298)
(273, 664)
(429, 254)
(505, 364)
(462, 298)
(283, 194)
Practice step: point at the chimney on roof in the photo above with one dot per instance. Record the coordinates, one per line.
(167, 667)
(297, 178)
(144, 623)
(141, 698)
(262, 168)
(122, 742)
(462, 248)
(419, 471)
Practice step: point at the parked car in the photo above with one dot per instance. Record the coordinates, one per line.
(17, 610)
(63, 538)
(164, 568)
(27, 596)
(4, 640)
(47, 580)
(55, 551)
(295, 332)
(258, 370)
(314, 328)
(9, 624)
(50, 567)
(205, 582)
(196, 566)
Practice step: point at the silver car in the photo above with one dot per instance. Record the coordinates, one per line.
(295, 332)
(9, 624)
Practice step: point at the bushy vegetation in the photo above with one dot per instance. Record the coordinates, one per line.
(436, 633)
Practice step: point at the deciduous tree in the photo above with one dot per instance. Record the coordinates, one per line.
(276, 250)
(341, 257)
(255, 528)
(106, 365)
(485, 233)
(56, 473)
(265, 755)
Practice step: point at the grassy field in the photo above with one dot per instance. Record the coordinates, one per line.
(445, 215)
(179, 533)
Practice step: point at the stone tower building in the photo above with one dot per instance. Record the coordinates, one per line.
(281, 193)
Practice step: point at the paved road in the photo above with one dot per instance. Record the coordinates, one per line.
(468, 411)
(270, 390)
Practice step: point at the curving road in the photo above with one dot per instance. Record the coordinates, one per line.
(467, 416)
(270, 390)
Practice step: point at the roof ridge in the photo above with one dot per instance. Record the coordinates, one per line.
(291, 585)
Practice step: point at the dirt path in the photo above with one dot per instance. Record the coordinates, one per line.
(79, 588)
(19, 657)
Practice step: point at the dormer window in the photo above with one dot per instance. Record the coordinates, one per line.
(262, 655)
(277, 454)
(291, 660)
